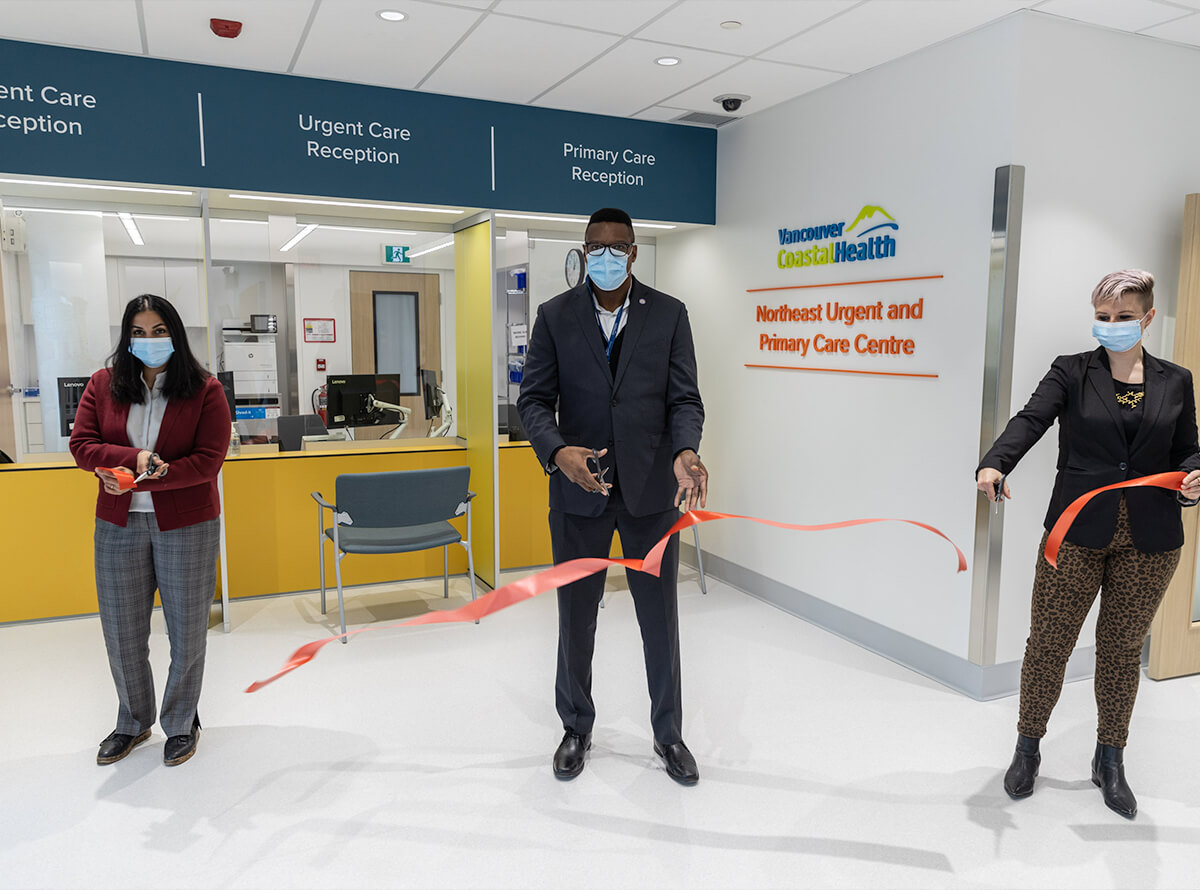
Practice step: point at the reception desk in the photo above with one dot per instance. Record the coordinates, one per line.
(271, 531)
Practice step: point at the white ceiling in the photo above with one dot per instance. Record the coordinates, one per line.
(584, 55)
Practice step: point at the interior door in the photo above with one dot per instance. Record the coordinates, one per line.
(363, 287)
(1175, 634)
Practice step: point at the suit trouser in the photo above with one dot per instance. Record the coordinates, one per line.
(654, 600)
(131, 563)
(1132, 584)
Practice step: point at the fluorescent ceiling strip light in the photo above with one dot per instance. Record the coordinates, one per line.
(346, 204)
(95, 213)
(298, 237)
(369, 231)
(574, 241)
(573, 219)
(431, 249)
(106, 188)
(131, 229)
(245, 222)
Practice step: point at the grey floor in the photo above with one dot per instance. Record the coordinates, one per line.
(420, 759)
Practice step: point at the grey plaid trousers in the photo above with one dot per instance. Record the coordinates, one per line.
(181, 564)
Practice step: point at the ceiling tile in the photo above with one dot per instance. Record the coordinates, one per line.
(764, 23)
(1183, 31)
(881, 30)
(1124, 15)
(612, 16)
(766, 83)
(394, 54)
(96, 24)
(627, 79)
(178, 29)
(512, 60)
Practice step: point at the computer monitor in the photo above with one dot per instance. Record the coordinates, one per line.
(294, 427)
(347, 402)
(225, 378)
(432, 394)
(70, 391)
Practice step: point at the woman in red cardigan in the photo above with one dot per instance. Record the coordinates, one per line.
(156, 412)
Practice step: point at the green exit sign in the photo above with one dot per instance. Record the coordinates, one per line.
(395, 254)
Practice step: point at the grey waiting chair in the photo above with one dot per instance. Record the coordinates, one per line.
(398, 512)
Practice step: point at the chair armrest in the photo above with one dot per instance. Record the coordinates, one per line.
(316, 496)
(470, 496)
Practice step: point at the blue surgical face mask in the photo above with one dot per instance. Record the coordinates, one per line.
(152, 352)
(1118, 336)
(607, 272)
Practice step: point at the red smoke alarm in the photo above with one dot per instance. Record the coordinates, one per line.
(225, 27)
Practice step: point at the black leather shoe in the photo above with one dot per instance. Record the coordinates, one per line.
(180, 748)
(1018, 781)
(680, 764)
(1108, 773)
(568, 759)
(117, 746)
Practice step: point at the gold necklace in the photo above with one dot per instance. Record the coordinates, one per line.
(1130, 399)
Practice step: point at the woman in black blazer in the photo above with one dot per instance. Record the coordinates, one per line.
(1122, 413)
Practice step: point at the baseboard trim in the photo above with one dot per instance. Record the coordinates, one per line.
(976, 681)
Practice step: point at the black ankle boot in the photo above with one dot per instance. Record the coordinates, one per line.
(1108, 773)
(1018, 781)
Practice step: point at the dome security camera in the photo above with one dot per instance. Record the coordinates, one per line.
(731, 102)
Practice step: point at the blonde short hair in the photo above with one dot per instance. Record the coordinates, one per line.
(1117, 284)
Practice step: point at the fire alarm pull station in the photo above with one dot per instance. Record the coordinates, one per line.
(320, 364)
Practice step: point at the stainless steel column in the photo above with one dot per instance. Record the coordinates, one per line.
(1007, 206)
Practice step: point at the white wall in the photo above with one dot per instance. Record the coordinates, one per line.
(810, 447)
(1107, 135)
(1100, 121)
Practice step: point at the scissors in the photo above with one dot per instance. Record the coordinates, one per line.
(600, 472)
(151, 468)
(1000, 491)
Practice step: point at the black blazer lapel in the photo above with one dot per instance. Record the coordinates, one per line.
(1155, 376)
(589, 328)
(1100, 377)
(633, 328)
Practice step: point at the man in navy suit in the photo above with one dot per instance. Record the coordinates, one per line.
(612, 408)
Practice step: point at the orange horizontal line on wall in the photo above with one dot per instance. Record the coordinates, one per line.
(758, 290)
(843, 371)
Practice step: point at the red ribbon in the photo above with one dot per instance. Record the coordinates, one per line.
(1169, 481)
(568, 572)
(125, 479)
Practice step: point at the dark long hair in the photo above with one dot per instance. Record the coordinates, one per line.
(185, 375)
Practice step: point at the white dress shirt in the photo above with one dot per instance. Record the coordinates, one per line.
(142, 427)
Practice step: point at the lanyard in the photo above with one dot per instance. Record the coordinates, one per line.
(616, 329)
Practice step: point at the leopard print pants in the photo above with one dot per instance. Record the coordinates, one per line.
(1133, 584)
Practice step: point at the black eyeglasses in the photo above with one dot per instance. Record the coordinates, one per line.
(595, 248)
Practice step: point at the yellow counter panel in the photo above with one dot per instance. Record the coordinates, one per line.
(271, 521)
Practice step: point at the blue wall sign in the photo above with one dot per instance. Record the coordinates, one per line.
(91, 115)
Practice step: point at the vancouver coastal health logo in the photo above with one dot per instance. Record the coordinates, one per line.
(873, 241)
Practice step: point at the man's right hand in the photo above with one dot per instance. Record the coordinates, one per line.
(572, 461)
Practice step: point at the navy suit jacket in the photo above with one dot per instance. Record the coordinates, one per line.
(1079, 393)
(644, 414)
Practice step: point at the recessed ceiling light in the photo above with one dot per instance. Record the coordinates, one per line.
(431, 249)
(391, 15)
(731, 25)
(667, 61)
